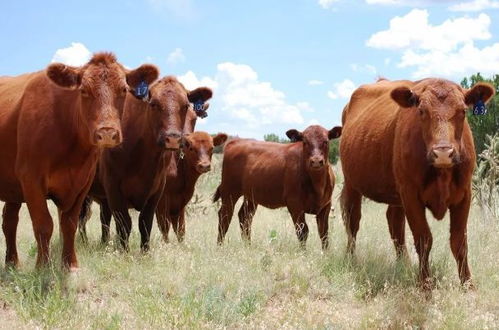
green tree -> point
(483, 125)
(334, 151)
(274, 138)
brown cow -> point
(408, 144)
(133, 175)
(181, 177)
(53, 125)
(296, 175)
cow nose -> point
(172, 140)
(107, 137)
(204, 167)
(442, 156)
(316, 162)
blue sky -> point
(273, 65)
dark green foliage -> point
(275, 138)
(487, 124)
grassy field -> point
(268, 284)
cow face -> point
(170, 104)
(315, 144)
(441, 109)
(199, 149)
(102, 85)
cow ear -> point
(219, 139)
(294, 135)
(64, 75)
(144, 74)
(479, 92)
(201, 94)
(405, 97)
(334, 133)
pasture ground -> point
(268, 284)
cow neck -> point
(186, 172)
(76, 125)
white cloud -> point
(445, 50)
(326, 4)
(314, 82)
(412, 3)
(342, 90)
(176, 56)
(190, 81)
(179, 8)
(243, 96)
(76, 55)
(476, 5)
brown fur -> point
(181, 177)
(133, 174)
(278, 175)
(51, 124)
(390, 132)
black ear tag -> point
(199, 109)
(142, 90)
(479, 108)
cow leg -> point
(146, 218)
(301, 227)
(323, 226)
(105, 221)
(351, 212)
(85, 215)
(162, 217)
(123, 226)
(41, 219)
(458, 237)
(68, 225)
(224, 217)
(423, 240)
(396, 224)
(181, 226)
(9, 226)
(246, 214)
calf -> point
(182, 174)
(408, 144)
(133, 175)
(53, 125)
(296, 175)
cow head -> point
(315, 141)
(199, 149)
(102, 85)
(441, 109)
(169, 104)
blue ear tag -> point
(479, 108)
(142, 90)
(199, 109)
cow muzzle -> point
(203, 167)
(172, 140)
(316, 162)
(107, 137)
(442, 156)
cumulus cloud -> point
(342, 90)
(76, 54)
(176, 56)
(326, 4)
(245, 97)
(476, 5)
(447, 49)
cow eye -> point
(124, 90)
(84, 92)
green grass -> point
(268, 284)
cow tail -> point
(216, 195)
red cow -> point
(296, 175)
(408, 144)
(133, 175)
(53, 125)
(181, 177)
